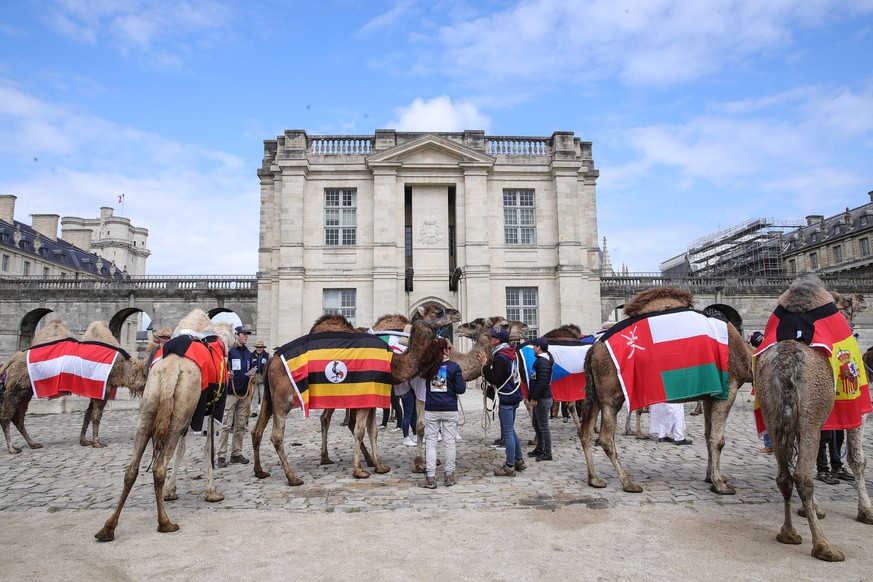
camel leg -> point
(360, 426)
(258, 435)
(586, 435)
(7, 432)
(697, 409)
(94, 414)
(18, 421)
(571, 407)
(326, 415)
(86, 422)
(803, 472)
(212, 494)
(418, 462)
(373, 432)
(368, 458)
(159, 476)
(858, 463)
(170, 485)
(608, 421)
(787, 535)
(715, 413)
(280, 413)
(107, 532)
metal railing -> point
(133, 284)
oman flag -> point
(70, 366)
(669, 356)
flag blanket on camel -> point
(568, 369)
(669, 356)
(68, 366)
(824, 328)
(339, 370)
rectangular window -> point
(813, 261)
(340, 217)
(792, 267)
(26, 268)
(838, 254)
(45, 272)
(340, 302)
(864, 220)
(865, 247)
(519, 217)
(5, 263)
(521, 305)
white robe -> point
(667, 417)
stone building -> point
(366, 225)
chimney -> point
(814, 218)
(46, 224)
(870, 194)
(7, 207)
(78, 237)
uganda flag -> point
(568, 369)
(339, 370)
(825, 328)
(669, 356)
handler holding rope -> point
(502, 373)
(239, 394)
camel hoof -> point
(827, 553)
(105, 535)
(213, 497)
(14, 451)
(865, 517)
(643, 437)
(725, 489)
(36, 446)
(168, 527)
(597, 483)
(326, 461)
(383, 469)
(295, 482)
(819, 513)
(360, 474)
(417, 469)
(632, 488)
(792, 538)
(98, 445)
(170, 496)
(85, 442)
(261, 474)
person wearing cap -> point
(239, 394)
(160, 338)
(259, 360)
(502, 373)
(540, 398)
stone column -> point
(388, 241)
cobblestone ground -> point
(66, 476)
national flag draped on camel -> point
(568, 369)
(68, 366)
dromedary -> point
(403, 367)
(604, 394)
(19, 390)
(168, 404)
(795, 387)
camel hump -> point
(658, 299)
(805, 293)
(196, 320)
(98, 331)
(331, 322)
(394, 321)
(54, 329)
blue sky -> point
(702, 114)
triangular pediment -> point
(430, 151)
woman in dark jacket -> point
(540, 397)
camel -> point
(794, 384)
(403, 367)
(604, 394)
(169, 401)
(19, 391)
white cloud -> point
(438, 114)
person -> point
(238, 396)
(157, 344)
(755, 339)
(259, 361)
(407, 416)
(502, 374)
(540, 398)
(668, 417)
(441, 413)
(830, 444)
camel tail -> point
(168, 379)
(591, 398)
(786, 396)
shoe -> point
(504, 471)
(765, 450)
(410, 442)
(520, 465)
(545, 457)
(450, 479)
(428, 483)
(239, 459)
(395, 428)
(383, 426)
(221, 463)
(843, 474)
(827, 478)
(458, 438)
(497, 442)
(254, 415)
(566, 419)
(665, 440)
(535, 453)
(683, 442)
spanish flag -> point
(339, 370)
(825, 328)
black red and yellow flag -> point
(339, 370)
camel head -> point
(658, 299)
(480, 325)
(517, 330)
(224, 331)
(849, 304)
(438, 317)
(805, 293)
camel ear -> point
(422, 311)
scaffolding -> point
(751, 248)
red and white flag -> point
(69, 366)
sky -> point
(702, 114)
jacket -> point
(499, 373)
(239, 363)
(541, 379)
(444, 387)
